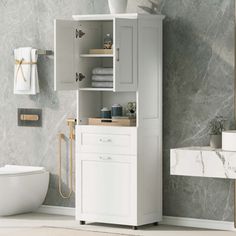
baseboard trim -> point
(198, 223)
(56, 210)
(167, 220)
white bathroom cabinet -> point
(118, 169)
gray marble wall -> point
(25, 23)
(198, 84)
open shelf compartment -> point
(96, 100)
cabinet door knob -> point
(117, 54)
(79, 77)
(79, 33)
(105, 158)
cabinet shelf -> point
(96, 89)
(96, 55)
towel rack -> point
(44, 52)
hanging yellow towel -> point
(26, 75)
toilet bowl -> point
(23, 189)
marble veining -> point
(203, 162)
(30, 23)
(198, 85)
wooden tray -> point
(112, 122)
(100, 51)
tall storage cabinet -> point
(118, 169)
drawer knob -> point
(105, 140)
(105, 158)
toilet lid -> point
(20, 170)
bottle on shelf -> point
(108, 42)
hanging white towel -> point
(34, 72)
(26, 75)
(22, 70)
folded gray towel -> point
(102, 78)
(102, 84)
(102, 71)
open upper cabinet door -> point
(66, 55)
(125, 62)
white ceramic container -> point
(117, 6)
(229, 140)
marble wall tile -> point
(30, 23)
(198, 84)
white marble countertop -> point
(203, 148)
(203, 162)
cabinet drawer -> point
(114, 140)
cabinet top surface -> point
(114, 16)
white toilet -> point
(23, 189)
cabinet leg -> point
(82, 222)
(155, 223)
(134, 227)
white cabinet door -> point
(65, 55)
(106, 188)
(125, 63)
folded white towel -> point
(26, 74)
(22, 71)
(34, 72)
(103, 78)
(102, 71)
(102, 84)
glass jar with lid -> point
(108, 42)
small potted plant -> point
(216, 126)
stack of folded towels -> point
(102, 77)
